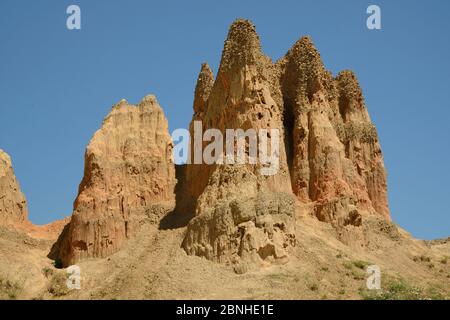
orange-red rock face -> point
(330, 156)
(128, 171)
(336, 155)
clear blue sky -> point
(56, 85)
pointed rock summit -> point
(330, 158)
(241, 215)
(203, 88)
(129, 177)
(13, 205)
(330, 164)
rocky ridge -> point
(13, 205)
(330, 157)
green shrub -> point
(58, 286)
(399, 289)
(361, 264)
(47, 271)
(9, 289)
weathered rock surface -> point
(231, 222)
(13, 205)
(330, 156)
(129, 176)
(237, 218)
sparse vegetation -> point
(399, 289)
(58, 286)
(348, 265)
(422, 258)
(360, 264)
(358, 275)
(47, 271)
(313, 287)
(9, 289)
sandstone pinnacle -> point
(330, 157)
(129, 174)
(13, 205)
(242, 46)
(203, 88)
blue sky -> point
(56, 85)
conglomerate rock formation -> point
(336, 156)
(129, 176)
(329, 162)
(240, 213)
(330, 157)
(13, 205)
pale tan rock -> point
(227, 226)
(129, 173)
(14, 208)
(203, 88)
(13, 205)
(238, 220)
(361, 141)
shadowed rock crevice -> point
(184, 209)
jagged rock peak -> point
(242, 46)
(149, 100)
(203, 88)
(305, 55)
(348, 81)
(5, 161)
(242, 216)
(129, 177)
(121, 103)
(303, 73)
(13, 205)
(350, 93)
